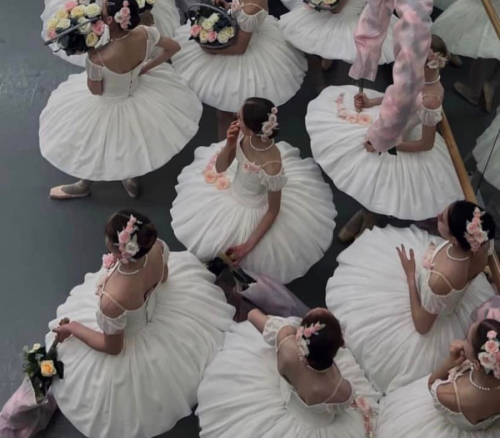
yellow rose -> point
(92, 10)
(329, 2)
(214, 18)
(91, 39)
(229, 31)
(63, 24)
(78, 12)
(141, 4)
(203, 36)
(61, 15)
(52, 23)
(47, 368)
(150, 2)
(86, 28)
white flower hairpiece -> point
(436, 60)
(490, 357)
(303, 338)
(270, 124)
(475, 234)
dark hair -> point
(146, 233)
(114, 6)
(480, 337)
(255, 112)
(324, 346)
(439, 46)
(462, 212)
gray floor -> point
(49, 246)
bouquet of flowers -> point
(322, 5)
(30, 408)
(212, 26)
(76, 27)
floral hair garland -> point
(351, 117)
(436, 60)
(122, 17)
(490, 357)
(211, 176)
(270, 124)
(303, 338)
(127, 245)
(475, 234)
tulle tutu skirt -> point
(207, 220)
(152, 384)
(269, 68)
(409, 412)
(242, 394)
(328, 35)
(102, 138)
(487, 153)
(413, 186)
(369, 294)
(467, 30)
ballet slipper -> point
(456, 60)
(350, 230)
(369, 221)
(59, 194)
(489, 93)
(326, 64)
(466, 93)
(132, 187)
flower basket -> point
(212, 26)
(322, 5)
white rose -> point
(61, 14)
(93, 10)
(229, 31)
(223, 37)
(132, 248)
(141, 4)
(329, 2)
(214, 18)
(63, 24)
(316, 2)
(78, 12)
(36, 347)
(150, 2)
(86, 28)
(52, 24)
(84, 2)
(91, 39)
(207, 25)
(203, 36)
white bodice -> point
(318, 415)
(433, 303)
(249, 23)
(122, 85)
(458, 419)
(421, 117)
(251, 182)
(130, 322)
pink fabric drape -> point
(412, 39)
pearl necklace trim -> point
(134, 272)
(455, 259)
(433, 82)
(482, 388)
(261, 150)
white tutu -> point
(409, 412)
(413, 186)
(487, 152)
(242, 395)
(269, 68)
(467, 30)
(328, 35)
(207, 220)
(369, 294)
(152, 384)
(292, 4)
(166, 16)
(116, 136)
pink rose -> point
(491, 347)
(123, 236)
(246, 166)
(343, 114)
(222, 183)
(195, 30)
(363, 406)
(472, 228)
(108, 261)
(352, 118)
(212, 36)
(364, 119)
(492, 334)
(51, 34)
(487, 360)
(210, 176)
(70, 5)
(99, 27)
(308, 332)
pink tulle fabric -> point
(22, 416)
(412, 39)
(488, 310)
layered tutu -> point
(369, 294)
(114, 137)
(409, 412)
(328, 35)
(413, 186)
(207, 220)
(242, 395)
(269, 68)
(152, 384)
(487, 152)
(467, 30)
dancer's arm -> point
(258, 319)
(426, 143)
(228, 153)
(455, 359)
(170, 48)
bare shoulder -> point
(455, 274)
(273, 163)
(95, 57)
(285, 332)
(253, 7)
(432, 102)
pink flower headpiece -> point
(127, 245)
(270, 124)
(122, 17)
(303, 338)
(436, 60)
(475, 234)
(490, 357)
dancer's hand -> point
(368, 146)
(408, 263)
(232, 134)
(457, 352)
(238, 253)
(63, 332)
(221, 3)
(361, 101)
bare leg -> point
(132, 187)
(79, 189)
(326, 64)
(316, 72)
(225, 119)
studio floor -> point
(48, 246)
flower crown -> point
(475, 234)
(270, 124)
(303, 338)
(436, 60)
(127, 244)
(490, 357)
(122, 17)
